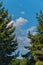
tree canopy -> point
(36, 48)
(7, 36)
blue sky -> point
(24, 17)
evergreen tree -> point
(7, 36)
(23, 62)
(15, 62)
(36, 48)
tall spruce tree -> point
(36, 48)
(7, 42)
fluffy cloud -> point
(20, 21)
(23, 41)
(19, 32)
(31, 28)
(34, 33)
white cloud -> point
(20, 21)
(19, 32)
(22, 12)
(23, 41)
(34, 33)
(26, 41)
(31, 29)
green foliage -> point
(6, 36)
(20, 62)
(39, 63)
(15, 62)
(40, 22)
(23, 62)
(37, 40)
